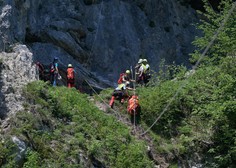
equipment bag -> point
(52, 67)
(133, 104)
(70, 73)
(120, 80)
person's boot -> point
(112, 101)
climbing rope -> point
(194, 67)
(183, 84)
(92, 88)
(134, 93)
(117, 113)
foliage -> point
(167, 72)
(220, 108)
(32, 160)
(202, 115)
(61, 127)
(225, 43)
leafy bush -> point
(202, 115)
(210, 23)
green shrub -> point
(62, 123)
(203, 112)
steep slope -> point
(59, 127)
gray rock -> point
(16, 71)
(21, 149)
(105, 37)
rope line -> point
(116, 112)
(99, 20)
(132, 77)
(194, 67)
(184, 82)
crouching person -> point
(120, 93)
(134, 109)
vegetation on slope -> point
(202, 116)
(63, 129)
(200, 122)
(199, 125)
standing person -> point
(144, 72)
(40, 71)
(70, 76)
(54, 71)
(120, 93)
(138, 65)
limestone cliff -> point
(16, 71)
(104, 37)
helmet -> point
(135, 97)
(144, 60)
(70, 65)
(127, 83)
(55, 58)
(127, 71)
(140, 61)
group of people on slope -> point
(142, 76)
(52, 73)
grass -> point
(61, 126)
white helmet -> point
(140, 61)
(70, 66)
(144, 60)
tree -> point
(211, 21)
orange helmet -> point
(134, 97)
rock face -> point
(16, 71)
(100, 36)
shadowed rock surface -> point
(103, 36)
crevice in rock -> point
(3, 108)
(31, 37)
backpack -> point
(52, 67)
(120, 80)
(40, 67)
(70, 73)
(133, 104)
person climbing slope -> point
(70, 76)
(120, 93)
(134, 109)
